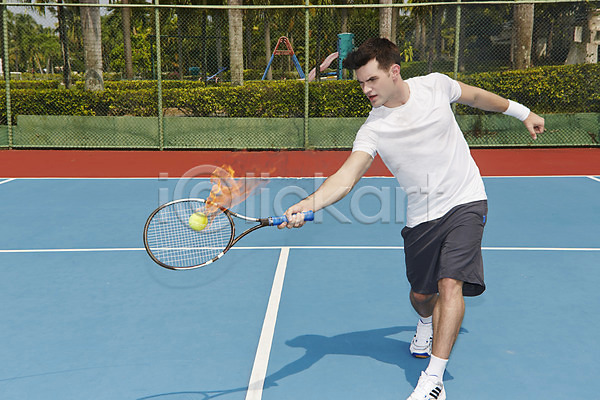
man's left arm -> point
(482, 99)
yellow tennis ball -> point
(198, 221)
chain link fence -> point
(237, 76)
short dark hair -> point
(384, 51)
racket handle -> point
(308, 216)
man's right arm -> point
(484, 100)
(333, 189)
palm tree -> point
(267, 21)
(64, 45)
(344, 17)
(92, 43)
(385, 21)
(46, 48)
(236, 43)
(181, 14)
(60, 11)
(2, 55)
(22, 40)
(422, 17)
(126, 23)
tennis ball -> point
(198, 221)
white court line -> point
(263, 352)
(7, 180)
(594, 178)
(70, 250)
(542, 248)
(497, 248)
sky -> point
(48, 20)
(40, 19)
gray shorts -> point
(447, 247)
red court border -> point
(152, 164)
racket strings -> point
(173, 242)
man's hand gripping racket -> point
(295, 216)
(173, 244)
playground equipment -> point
(216, 76)
(324, 65)
(287, 52)
(345, 46)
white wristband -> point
(519, 111)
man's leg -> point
(420, 345)
(448, 311)
(448, 314)
(423, 303)
(447, 318)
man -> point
(413, 129)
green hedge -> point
(35, 84)
(557, 89)
(145, 84)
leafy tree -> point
(92, 40)
(31, 46)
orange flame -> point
(227, 190)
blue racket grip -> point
(308, 216)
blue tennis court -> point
(320, 312)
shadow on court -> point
(376, 344)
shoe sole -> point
(418, 354)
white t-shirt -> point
(422, 145)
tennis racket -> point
(173, 244)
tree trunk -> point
(2, 8)
(126, 21)
(267, 19)
(344, 27)
(38, 64)
(64, 44)
(523, 23)
(583, 49)
(204, 63)
(92, 45)
(219, 30)
(180, 57)
(421, 36)
(236, 43)
(462, 40)
(393, 28)
(248, 39)
(385, 20)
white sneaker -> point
(421, 343)
(428, 388)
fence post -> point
(306, 71)
(161, 131)
(6, 66)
